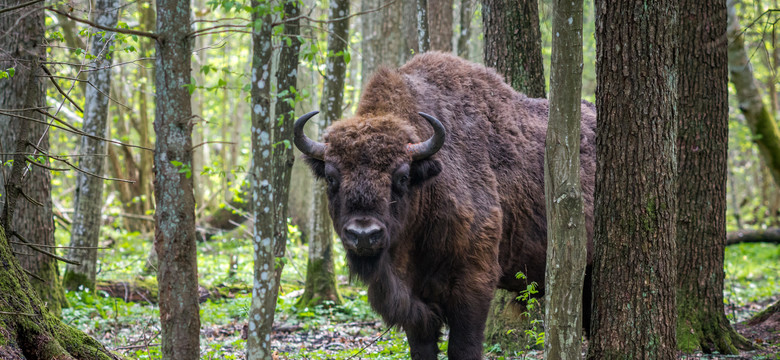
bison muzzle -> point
(436, 189)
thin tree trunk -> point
(423, 34)
(440, 25)
(320, 275)
(261, 311)
(513, 43)
(567, 239)
(702, 166)
(21, 48)
(465, 28)
(634, 267)
(85, 231)
(173, 188)
(759, 118)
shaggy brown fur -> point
(459, 223)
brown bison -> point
(436, 211)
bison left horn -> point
(427, 148)
(307, 146)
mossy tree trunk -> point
(28, 330)
(761, 121)
(702, 164)
(320, 274)
(85, 230)
(22, 48)
(634, 267)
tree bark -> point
(320, 274)
(761, 121)
(634, 267)
(85, 231)
(28, 330)
(702, 167)
(22, 48)
(513, 43)
(567, 239)
(465, 28)
(506, 18)
(423, 34)
(440, 25)
(381, 37)
(173, 188)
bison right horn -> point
(307, 146)
(426, 149)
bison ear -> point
(317, 166)
(423, 170)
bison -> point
(436, 189)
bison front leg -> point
(467, 327)
(423, 341)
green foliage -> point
(7, 73)
(752, 272)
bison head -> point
(373, 167)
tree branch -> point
(771, 235)
(51, 77)
(12, 8)
(36, 248)
(101, 27)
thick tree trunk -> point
(513, 43)
(381, 36)
(567, 239)
(173, 188)
(759, 118)
(409, 34)
(320, 274)
(702, 164)
(440, 25)
(21, 48)
(28, 330)
(634, 267)
(85, 230)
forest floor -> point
(350, 330)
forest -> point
(389, 179)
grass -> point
(323, 332)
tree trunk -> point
(465, 28)
(381, 36)
(702, 164)
(440, 25)
(28, 330)
(760, 120)
(409, 34)
(85, 231)
(634, 270)
(503, 326)
(320, 274)
(423, 32)
(174, 239)
(21, 49)
(567, 239)
(513, 43)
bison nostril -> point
(363, 236)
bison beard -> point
(431, 231)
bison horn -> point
(307, 146)
(423, 150)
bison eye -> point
(331, 180)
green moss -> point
(320, 285)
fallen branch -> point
(771, 235)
